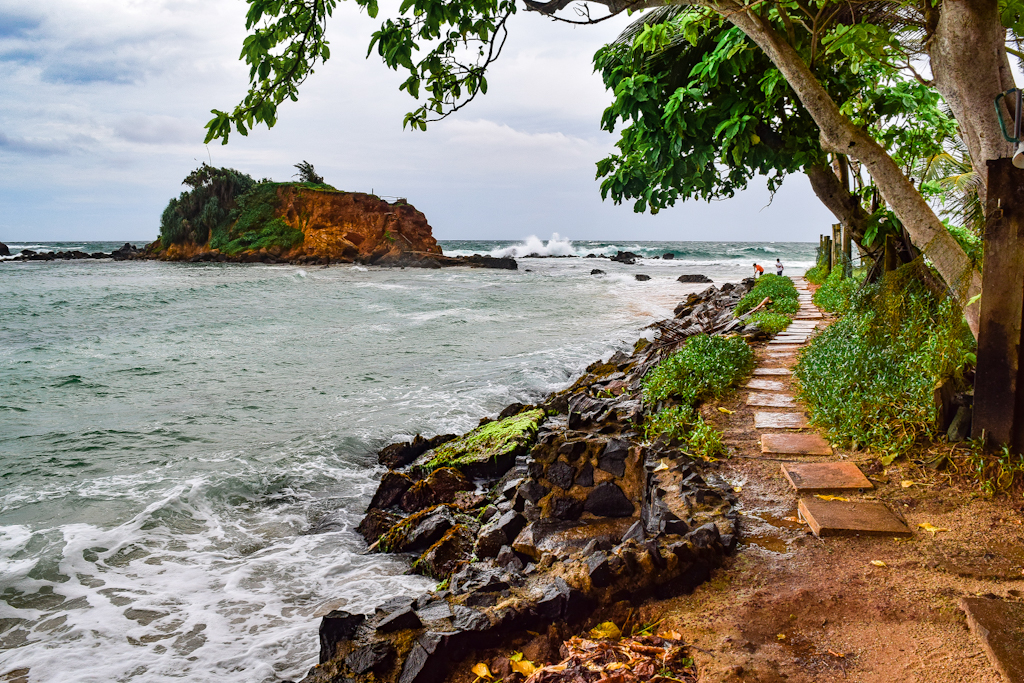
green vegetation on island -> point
(232, 212)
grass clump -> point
(869, 377)
(817, 274)
(994, 473)
(255, 226)
(836, 293)
(770, 321)
(487, 442)
(704, 368)
(778, 288)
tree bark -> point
(970, 67)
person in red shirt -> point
(758, 270)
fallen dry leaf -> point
(878, 563)
(662, 465)
(480, 670)
(927, 526)
(828, 497)
(726, 411)
(737, 489)
(606, 630)
(671, 635)
(781, 636)
(906, 483)
(523, 666)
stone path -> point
(785, 431)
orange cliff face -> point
(353, 226)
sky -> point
(104, 103)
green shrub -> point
(255, 226)
(274, 233)
(817, 274)
(705, 367)
(770, 321)
(705, 441)
(786, 306)
(870, 376)
(969, 241)
(776, 287)
(836, 293)
(673, 422)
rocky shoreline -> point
(130, 252)
(553, 514)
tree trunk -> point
(845, 206)
(838, 134)
(970, 67)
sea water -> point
(170, 433)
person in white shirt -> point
(778, 267)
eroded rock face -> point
(355, 226)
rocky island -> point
(228, 216)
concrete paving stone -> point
(789, 339)
(772, 371)
(766, 385)
(862, 517)
(785, 349)
(999, 625)
(770, 400)
(814, 477)
(795, 444)
(780, 421)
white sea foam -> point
(556, 246)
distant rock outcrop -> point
(4, 251)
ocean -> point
(170, 433)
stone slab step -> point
(788, 346)
(795, 444)
(814, 477)
(999, 625)
(766, 385)
(839, 518)
(770, 400)
(772, 371)
(780, 421)
(789, 339)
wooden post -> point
(828, 252)
(891, 256)
(837, 249)
(998, 382)
(848, 251)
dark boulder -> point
(401, 619)
(694, 278)
(499, 532)
(373, 657)
(627, 257)
(513, 409)
(467, 619)
(477, 577)
(597, 271)
(442, 558)
(668, 255)
(375, 524)
(613, 458)
(599, 570)
(561, 474)
(568, 509)
(608, 500)
(642, 278)
(705, 536)
(337, 627)
(585, 477)
(427, 660)
(4, 251)
(439, 487)
(124, 253)
(391, 489)
(504, 263)
(572, 450)
(401, 454)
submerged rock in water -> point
(668, 255)
(642, 278)
(627, 257)
(597, 271)
(4, 251)
(404, 452)
(694, 278)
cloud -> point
(15, 26)
(34, 147)
(157, 130)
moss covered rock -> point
(488, 450)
